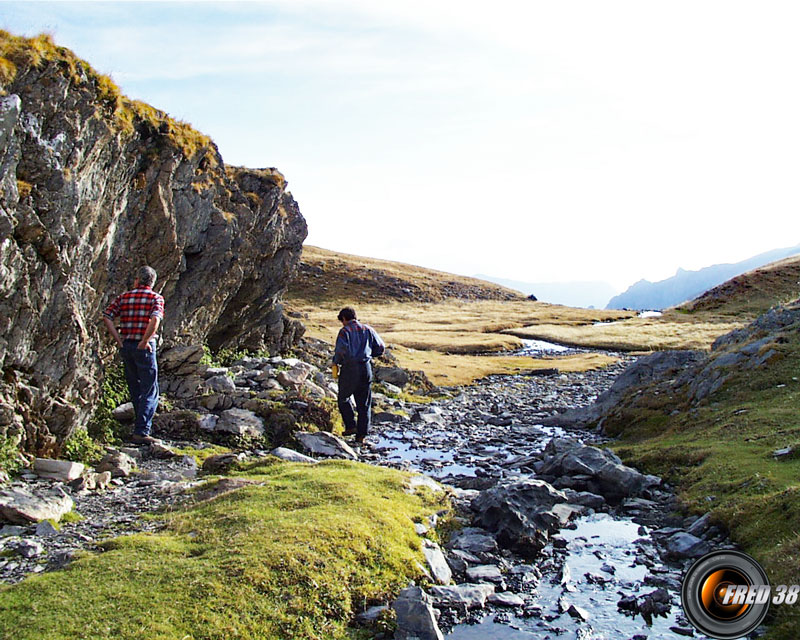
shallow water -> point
(542, 346)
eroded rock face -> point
(85, 199)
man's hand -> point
(144, 346)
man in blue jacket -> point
(356, 345)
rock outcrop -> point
(93, 185)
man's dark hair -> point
(348, 314)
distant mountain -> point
(573, 294)
(686, 285)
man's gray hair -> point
(147, 276)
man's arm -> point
(152, 327)
(342, 348)
(376, 344)
(112, 330)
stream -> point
(493, 431)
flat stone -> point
(437, 563)
(473, 596)
(417, 481)
(485, 573)
(506, 599)
(372, 614)
(240, 422)
(291, 455)
(61, 470)
(20, 506)
(325, 444)
(159, 450)
(473, 540)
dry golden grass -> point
(440, 327)
(451, 326)
(442, 339)
(634, 334)
(450, 369)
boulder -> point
(124, 412)
(240, 422)
(325, 444)
(61, 470)
(416, 618)
(291, 456)
(471, 596)
(295, 377)
(520, 513)
(220, 384)
(608, 476)
(393, 375)
(20, 506)
(180, 359)
(117, 463)
(437, 564)
(473, 540)
(207, 421)
(682, 545)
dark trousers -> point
(355, 379)
(141, 374)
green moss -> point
(102, 426)
(80, 447)
(292, 557)
(10, 461)
(201, 455)
(71, 516)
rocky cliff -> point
(93, 185)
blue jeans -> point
(141, 374)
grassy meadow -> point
(293, 555)
(457, 329)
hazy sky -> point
(537, 141)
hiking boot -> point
(137, 438)
(349, 432)
(360, 439)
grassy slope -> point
(291, 558)
(719, 453)
(750, 294)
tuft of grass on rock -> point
(295, 555)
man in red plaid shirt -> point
(140, 312)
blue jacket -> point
(357, 343)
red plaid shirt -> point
(134, 310)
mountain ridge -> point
(687, 284)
